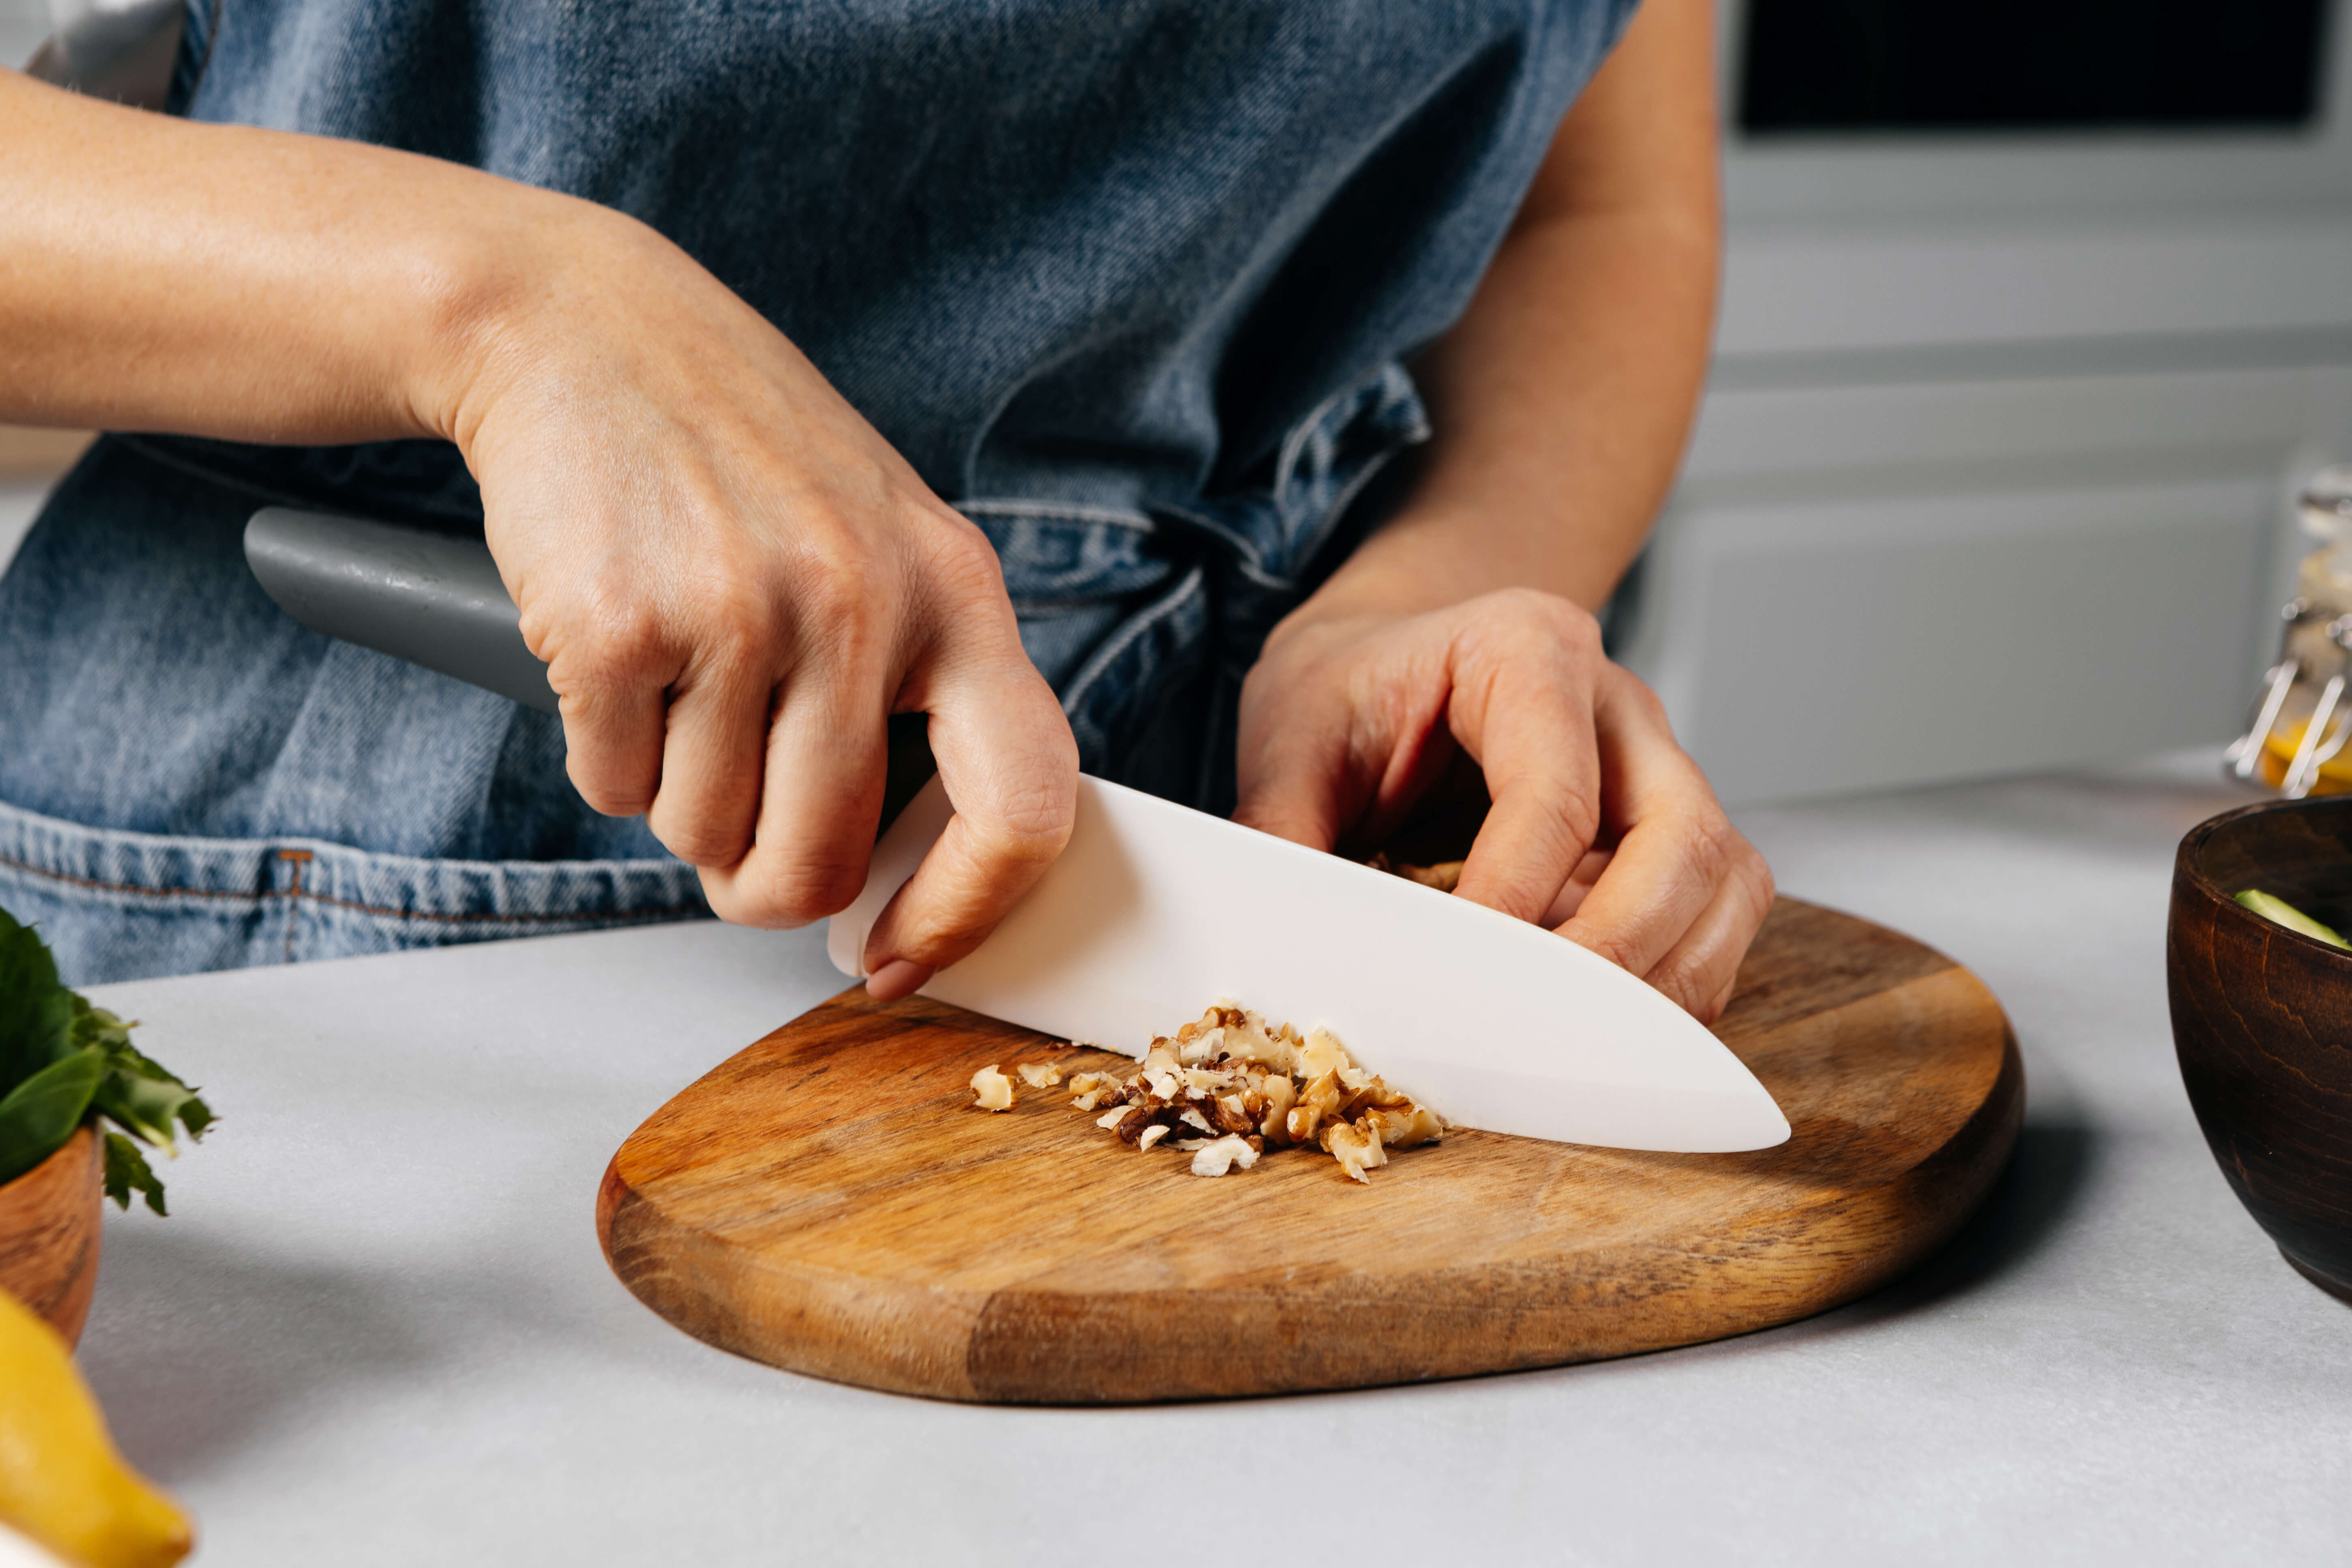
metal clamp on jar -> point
(2303, 715)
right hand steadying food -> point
(734, 579)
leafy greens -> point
(64, 1063)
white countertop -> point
(377, 1329)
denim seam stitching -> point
(299, 892)
(1317, 537)
(1294, 444)
(1246, 554)
(1193, 585)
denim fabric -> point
(192, 780)
(124, 906)
(1130, 281)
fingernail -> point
(898, 977)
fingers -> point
(1332, 753)
(1294, 779)
(1296, 795)
(706, 806)
(898, 977)
(1580, 885)
(820, 799)
(1007, 759)
(1011, 768)
(1701, 968)
(1523, 705)
(1682, 892)
(609, 674)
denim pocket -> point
(116, 906)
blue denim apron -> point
(1130, 282)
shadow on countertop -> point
(2037, 1191)
(195, 1351)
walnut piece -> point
(1039, 1074)
(994, 1089)
(1216, 1159)
(1225, 1088)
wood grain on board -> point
(825, 1201)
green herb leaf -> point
(95, 1025)
(145, 1104)
(63, 1062)
(139, 1094)
(40, 1113)
(35, 1012)
(127, 1172)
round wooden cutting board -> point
(826, 1201)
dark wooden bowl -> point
(2262, 1017)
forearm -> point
(1563, 399)
(244, 284)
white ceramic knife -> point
(1154, 911)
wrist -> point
(483, 298)
(1416, 563)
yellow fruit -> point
(61, 1482)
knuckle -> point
(966, 557)
(699, 844)
(1560, 621)
(613, 639)
(1581, 821)
(737, 624)
(1684, 982)
(610, 797)
(1614, 947)
(834, 600)
(1711, 847)
(805, 891)
(1623, 685)
(1652, 706)
(1030, 825)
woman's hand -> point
(1560, 404)
(735, 581)
(733, 577)
(1601, 828)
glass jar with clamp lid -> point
(2303, 716)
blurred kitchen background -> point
(2037, 314)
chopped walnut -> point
(1039, 1074)
(1216, 1159)
(1224, 1087)
(1281, 1093)
(1357, 1150)
(994, 1091)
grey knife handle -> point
(423, 597)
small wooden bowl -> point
(2262, 1017)
(49, 1234)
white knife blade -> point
(1154, 911)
